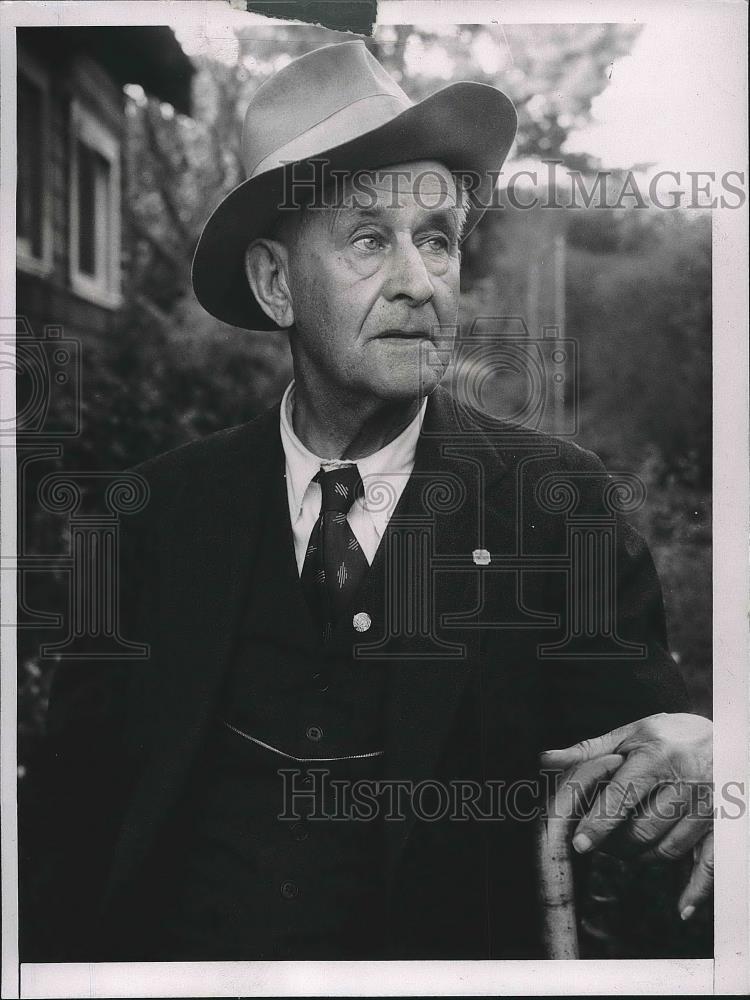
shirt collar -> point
(301, 464)
(394, 461)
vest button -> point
(361, 621)
(289, 890)
(320, 682)
(298, 831)
(314, 734)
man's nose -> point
(408, 277)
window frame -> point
(26, 260)
(92, 132)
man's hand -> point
(662, 793)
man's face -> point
(374, 284)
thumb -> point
(589, 749)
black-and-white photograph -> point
(366, 413)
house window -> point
(94, 209)
(33, 195)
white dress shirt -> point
(384, 474)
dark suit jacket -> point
(124, 735)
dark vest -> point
(266, 864)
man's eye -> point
(369, 242)
(437, 244)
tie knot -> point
(340, 488)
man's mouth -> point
(405, 335)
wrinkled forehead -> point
(403, 191)
(427, 184)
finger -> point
(700, 884)
(657, 815)
(694, 819)
(588, 749)
(681, 839)
(576, 786)
(648, 825)
(563, 809)
(629, 786)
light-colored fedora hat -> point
(338, 104)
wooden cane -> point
(554, 853)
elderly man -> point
(360, 598)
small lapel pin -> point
(361, 621)
(481, 557)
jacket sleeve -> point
(615, 589)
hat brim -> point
(466, 126)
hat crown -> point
(331, 94)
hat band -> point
(351, 122)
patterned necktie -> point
(334, 562)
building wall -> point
(45, 299)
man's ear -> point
(266, 269)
